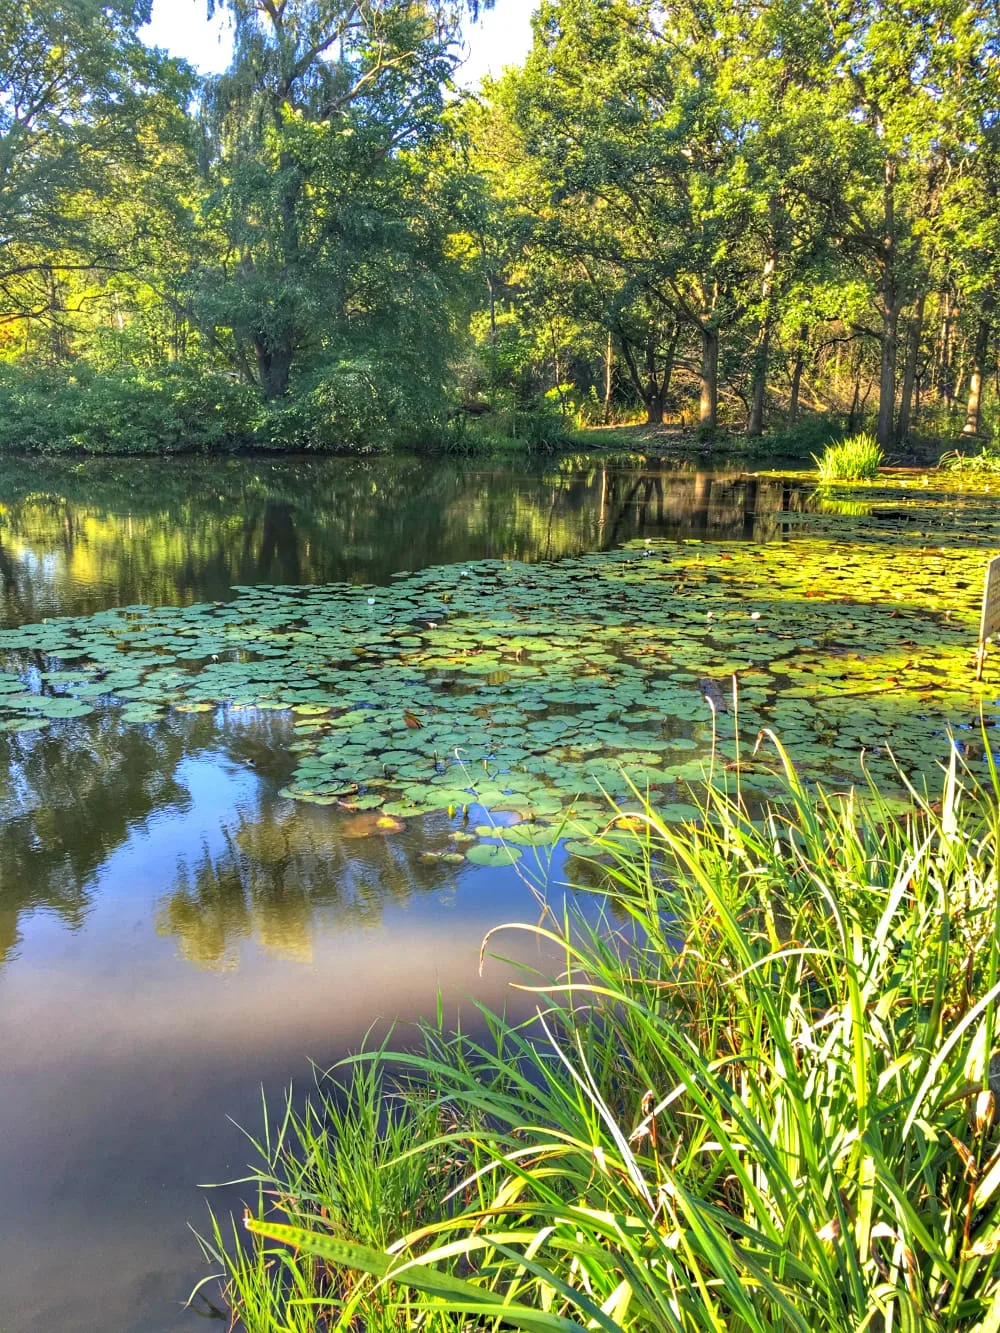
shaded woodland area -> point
(715, 213)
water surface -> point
(174, 935)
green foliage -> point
(86, 112)
(986, 461)
(349, 1147)
(858, 458)
(708, 214)
(759, 1097)
(178, 408)
(806, 437)
(358, 406)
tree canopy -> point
(701, 211)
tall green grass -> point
(986, 461)
(756, 1098)
(858, 458)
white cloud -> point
(501, 37)
(183, 29)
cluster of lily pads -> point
(534, 692)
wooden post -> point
(989, 621)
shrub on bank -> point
(759, 1098)
(182, 408)
(178, 408)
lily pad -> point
(492, 854)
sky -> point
(501, 37)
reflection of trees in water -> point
(652, 503)
(281, 868)
(76, 538)
(70, 798)
(162, 532)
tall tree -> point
(314, 131)
(77, 86)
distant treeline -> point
(703, 211)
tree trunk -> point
(959, 370)
(653, 389)
(758, 388)
(974, 410)
(852, 416)
(708, 412)
(944, 375)
(755, 422)
(609, 379)
(887, 374)
(910, 372)
(890, 312)
(797, 368)
(274, 366)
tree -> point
(78, 90)
(314, 133)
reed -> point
(986, 462)
(858, 458)
(757, 1097)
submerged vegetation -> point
(758, 1095)
(858, 458)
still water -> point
(175, 936)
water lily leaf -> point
(370, 801)
(492, 854)
(24, 724)
(531, 835)
(577, 847)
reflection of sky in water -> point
(122, 1061)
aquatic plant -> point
(986, 461)
(497, 687)
(858, 458)
(342, 1153)
(758, 1097)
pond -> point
(259, 720)
(175, 934)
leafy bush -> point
(178, 408)
(760, 1099)
(350, 405)
(809, 435)
(538, 430)
(858, 458)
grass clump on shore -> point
(757, 1098)
(858, 458)
(987, 461)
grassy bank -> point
(757, 1098)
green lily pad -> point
(491, 854)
